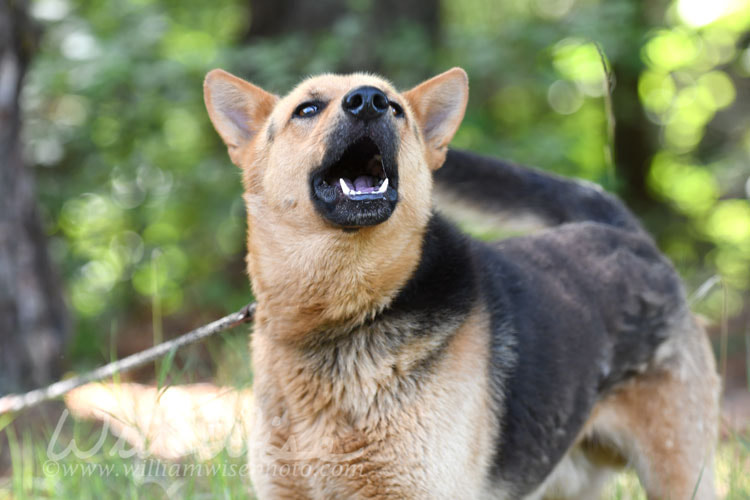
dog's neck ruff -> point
(307, 280)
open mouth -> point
(360, 173)
(359, 188)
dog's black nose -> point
(365, 103)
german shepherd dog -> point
(441, 366)
(395, 357)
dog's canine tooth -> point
(383, 186)
(345, 188)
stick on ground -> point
(18, 402)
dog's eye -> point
(396, 109)
(307, 109)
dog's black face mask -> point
(356, 184)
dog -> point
(395, 357)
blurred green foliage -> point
(141, 201)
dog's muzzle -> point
(357, 182)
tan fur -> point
(428, 440)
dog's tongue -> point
(365, 183)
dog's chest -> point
(376, 430)
(428, 452)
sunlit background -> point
(651, 99)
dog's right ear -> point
(439, 105)
(237, 108)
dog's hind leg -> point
(665, 420)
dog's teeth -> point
(345, 188)
(383, 186)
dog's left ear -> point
(238, 109)
(439, 105)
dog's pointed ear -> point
(238, 109)
(439, 105)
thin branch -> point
(18, 402)
(609, 85)
(703, 290)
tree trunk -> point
(33, 321)
(636, 137)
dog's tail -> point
(172, 422)
(512, 192)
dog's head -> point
(338, 180)
(349, 147)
